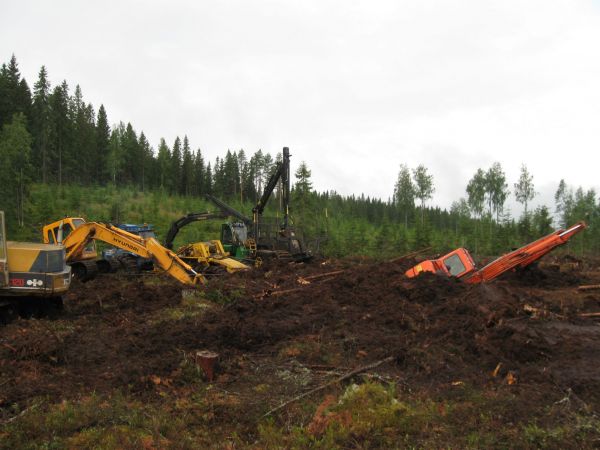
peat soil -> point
(297, 326)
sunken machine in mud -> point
(459, 263)
(31, 274)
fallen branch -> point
(540, 312)
(330, 383)
(593, 314)
(22, 413)
(588, 287)
(319, 275)
(9, 347)
(275, 293)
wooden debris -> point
(331, 383)
(269, 293)
(497, 370)
(588, 287)
(305, 280)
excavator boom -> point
(149, 248)
(459, 262)
(525, 255)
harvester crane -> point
(459, 262)
(228, 210)
(269, 241)
(282, 171)
(187, 219)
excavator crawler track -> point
(84, 270)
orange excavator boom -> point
(459, 262)
(525, 255)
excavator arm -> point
(149, 248)
(525, 255)
(459, 262)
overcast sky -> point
(353, 88)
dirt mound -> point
(117, 334)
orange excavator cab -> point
(457, 263)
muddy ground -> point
(284, 329)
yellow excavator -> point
(78, 238)
(31, 274)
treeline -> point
(54, 138)
(72, 143)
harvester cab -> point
(234, 237)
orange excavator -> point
(459, 263)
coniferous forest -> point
(62, 156)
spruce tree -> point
(60, 132)
(199, 174)
(15, 168)
(40, 121)
(164, 165)
(187, 169)
(145, 161)
(175, 173)
(101, 174)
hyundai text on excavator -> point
(31, 272)
(78, 238)
(459, 263)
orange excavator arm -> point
(150, 248)
(525, 255)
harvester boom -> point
(187, 219)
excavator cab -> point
(57, 232)
(458, 263)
